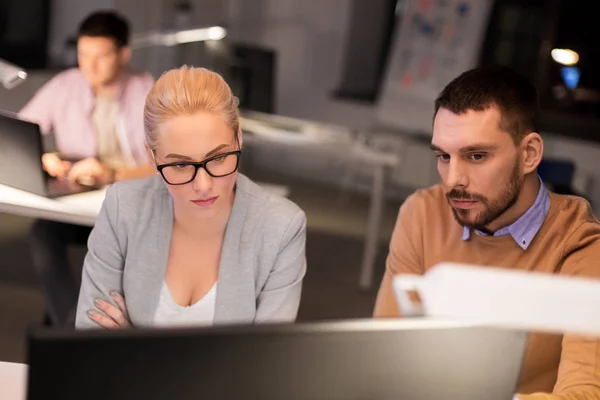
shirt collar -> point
(527, 226)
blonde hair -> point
(186, 91)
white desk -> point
(13, 381)
(336, 142)
(78, 209)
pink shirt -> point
(64, 106)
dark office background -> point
(24, 32)
(520, 34)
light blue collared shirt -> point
(527, 226)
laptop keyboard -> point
(64, 187)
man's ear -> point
(125, 53)
(532, 147)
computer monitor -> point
(376, 360)
(251, 73)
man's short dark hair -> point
(106, 24)
(485, 87)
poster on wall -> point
(435, 42)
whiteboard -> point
(435, 41)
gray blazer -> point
(262, 261)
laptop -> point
(21, 167)
(365, 359)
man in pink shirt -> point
(95, 112)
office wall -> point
(309, 37)
(159, 14)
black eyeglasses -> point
(182, 172)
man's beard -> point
(492, 209)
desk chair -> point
(558, 175)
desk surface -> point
(13, 381)
(314, 137)
(78, 209)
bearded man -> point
(492, 209)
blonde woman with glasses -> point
(198, 243)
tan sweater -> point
(567, 243)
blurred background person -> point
(95, 113)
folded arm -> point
(103, 264)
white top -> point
(170, 314)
